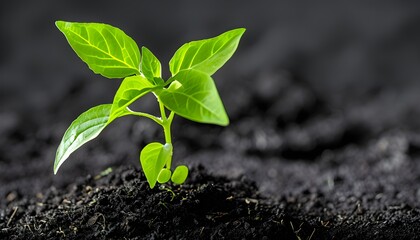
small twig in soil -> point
(312, 234)
(11, 217)
(163, 204)
(296, 231)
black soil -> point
(323, 143)
(121, 205)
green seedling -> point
(190, 92)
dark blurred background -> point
(347, 51)
(359, 59)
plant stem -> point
(142, 114)
(162, 111)
(168, 140)
(167, 131)
(166, 124)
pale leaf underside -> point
(85, 128)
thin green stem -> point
(171, 116)
(142, 114)
(167, 130)
(162, 110)
(166, 124)
(168, 140)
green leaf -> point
(150, 65)
(180, 174)
(106, 49)
(153, 158)
(193, 95)
(157, 81)
(206, 55)
(164, 175)
(85, 128)
(131, 89)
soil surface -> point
(120, 205)
(323, 143)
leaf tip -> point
(224, 122)
(151, 185)
(144, 51)
(60, 24)
(56, 167)
(223, 119)
(241, 30)
(237, 31)
(58, 161)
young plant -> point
(190, 92)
